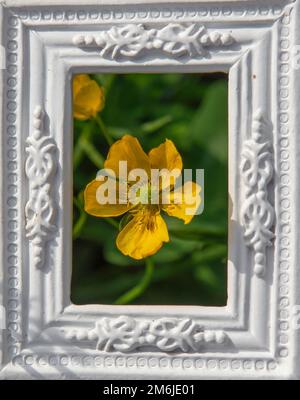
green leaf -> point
(92, 153)
(85, 134)
(117, 132)
(97, 230)
(174, 250)
(198, 234)
(211, 253)
(153, 126)
(115, 257)
(210, 123)
(207, 275)
(79, 224)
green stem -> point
(139, 289)
(78, 149)
(104, 130)
(112, 222)
(85, 145)
(81, 220)
(79, 225)
(93, 154)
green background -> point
(191, 110)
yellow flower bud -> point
(88, 97)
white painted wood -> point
(46, 336)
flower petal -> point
(88, 97)
(94, 207)
(165, 156)
(143, 236)
(127, 149)
(184, 202)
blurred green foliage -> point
(191, 110)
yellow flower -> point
(88, 97)
(146, 230)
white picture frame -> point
(43, 335)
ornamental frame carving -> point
(254, 335)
